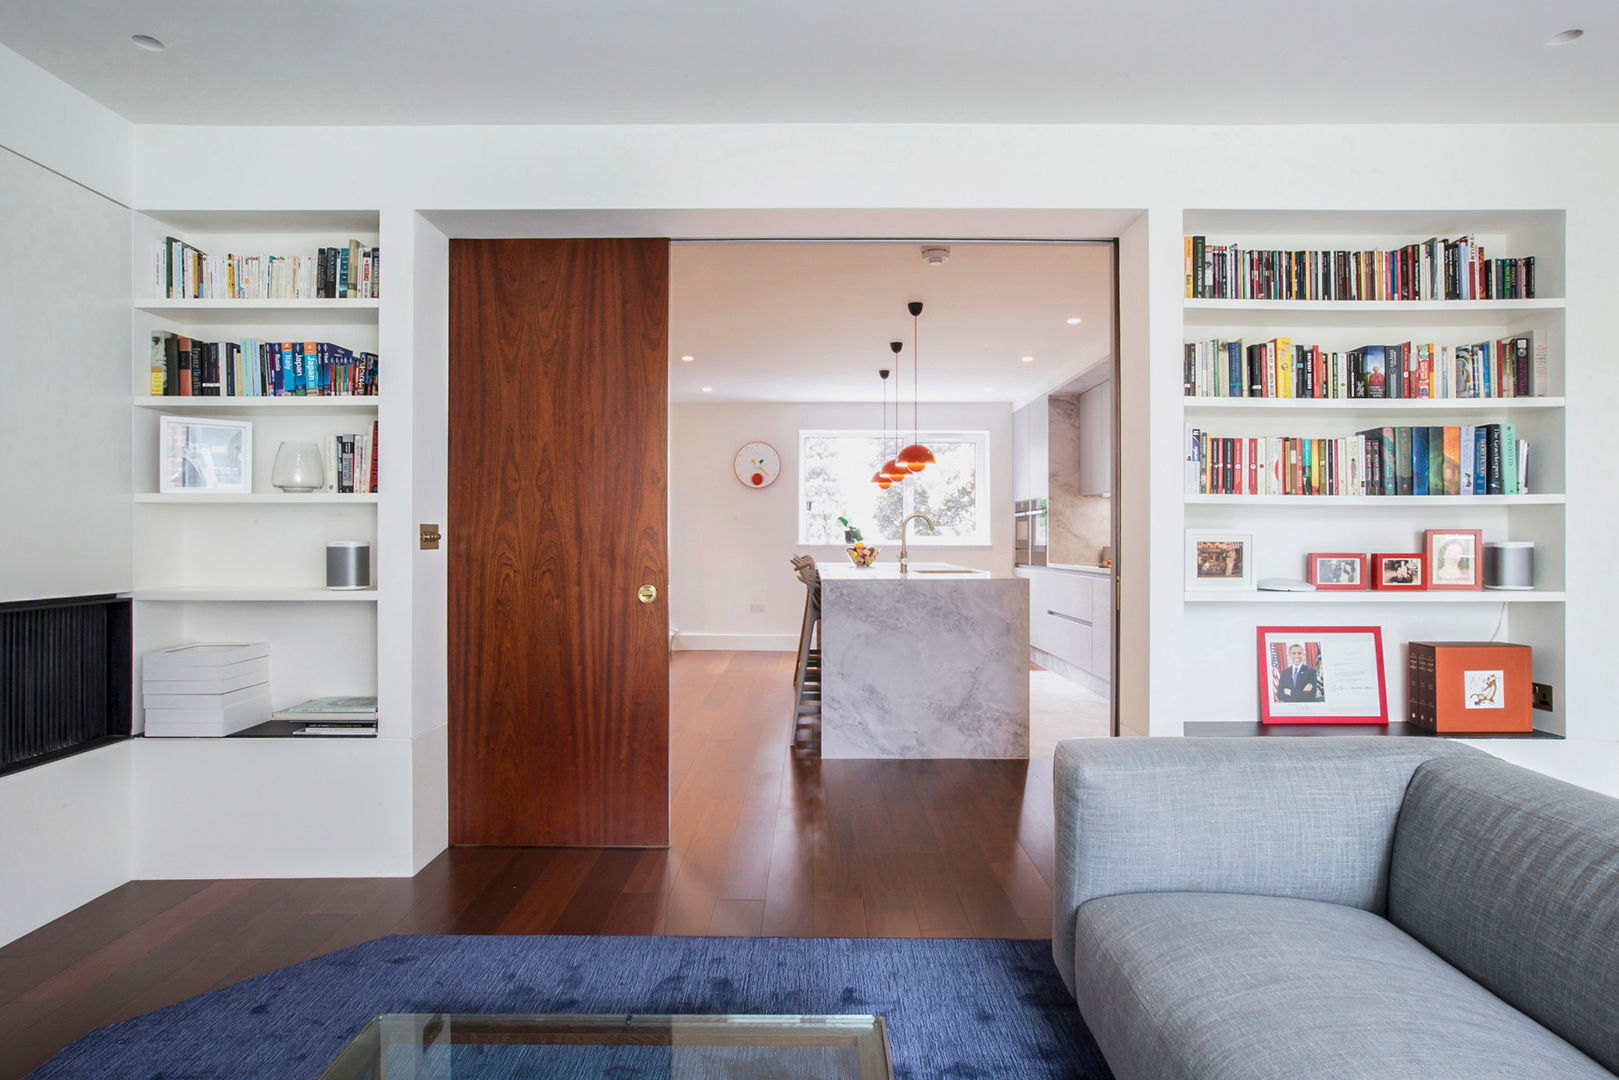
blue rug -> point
(956, 1008)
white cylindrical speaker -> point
(1509, 564)
(348, 564)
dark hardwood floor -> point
(766, 840)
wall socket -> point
(1542, 696)
(756, 609)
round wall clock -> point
(757, 465)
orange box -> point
(1469, 687)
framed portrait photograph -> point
(1455, 558)
(1219, 560)
(1400, 570)
(1344, 571)
(1322, 675)
(198, 456)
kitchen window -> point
(834, 480)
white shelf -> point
(204, 498)
(1284, 313)
(261, 406)
(1381, 501)
(1375, 596)
(283, 312)
(1236, 405)
(249, 594)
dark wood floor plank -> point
(766, 839)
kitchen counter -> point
(928, 665)
(1075, 568)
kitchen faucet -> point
(904, 553)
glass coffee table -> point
(463, 1046)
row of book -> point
(351, 462)
(332, 273)
(1434, 269)
(1486, 459)
(1281, 368)
(189, 367)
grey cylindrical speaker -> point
(1509, 565)
(348, 564)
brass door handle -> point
(646, 593)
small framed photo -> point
(1455, 558)
(1400, 570)
(1322, 675)
(1219, 560)
(197, 456)
(1344, 571)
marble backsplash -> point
(1078, 526)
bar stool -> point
(807, 677)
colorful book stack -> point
(188, 367)
(1487, 459)
(1434, 269)
(182, 272)
(206, 689)
(333, 716)
(351, 462)
(1282, 368)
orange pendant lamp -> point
(915, 457)
(881, 477)
(891, 468)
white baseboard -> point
(689, 642)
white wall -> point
(50, 123)
(729, 545)
(64, 836)
(64, 360)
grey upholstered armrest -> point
(1302, 817)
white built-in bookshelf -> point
(251, 566)
(1220, 625)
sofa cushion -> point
(1214, 986)
(1513, 877)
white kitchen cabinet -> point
(1039, 449)
(1096, 440)
(1021, 488)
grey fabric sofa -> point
(1335, 907)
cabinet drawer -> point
(1070, 594)
(1070, 640)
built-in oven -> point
(1029, 532)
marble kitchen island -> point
(934, 664)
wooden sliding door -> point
(559, 661)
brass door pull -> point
(647, 593)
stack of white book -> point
(206, 689)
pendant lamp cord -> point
(916, 383)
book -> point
(339, 727)
(1469, 687)
(331, 708)
(1433, 269)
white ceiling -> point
(731, 61)
(812, 321)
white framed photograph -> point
(204, 456)
(1219, 560)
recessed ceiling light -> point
(147, 42)
(1075, 321)
(688, 359)
(1566, 36)
(708, 389)
(1028, 359)
(989, 389)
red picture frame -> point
(1329, 579)
(1391, 570)
(1438, 548)
(1333, 682)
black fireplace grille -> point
(64, 677)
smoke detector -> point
(935, 256)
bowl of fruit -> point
(861, 554)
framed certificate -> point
(1322, 675)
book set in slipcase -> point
(1469, 687)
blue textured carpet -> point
(956, 1008)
